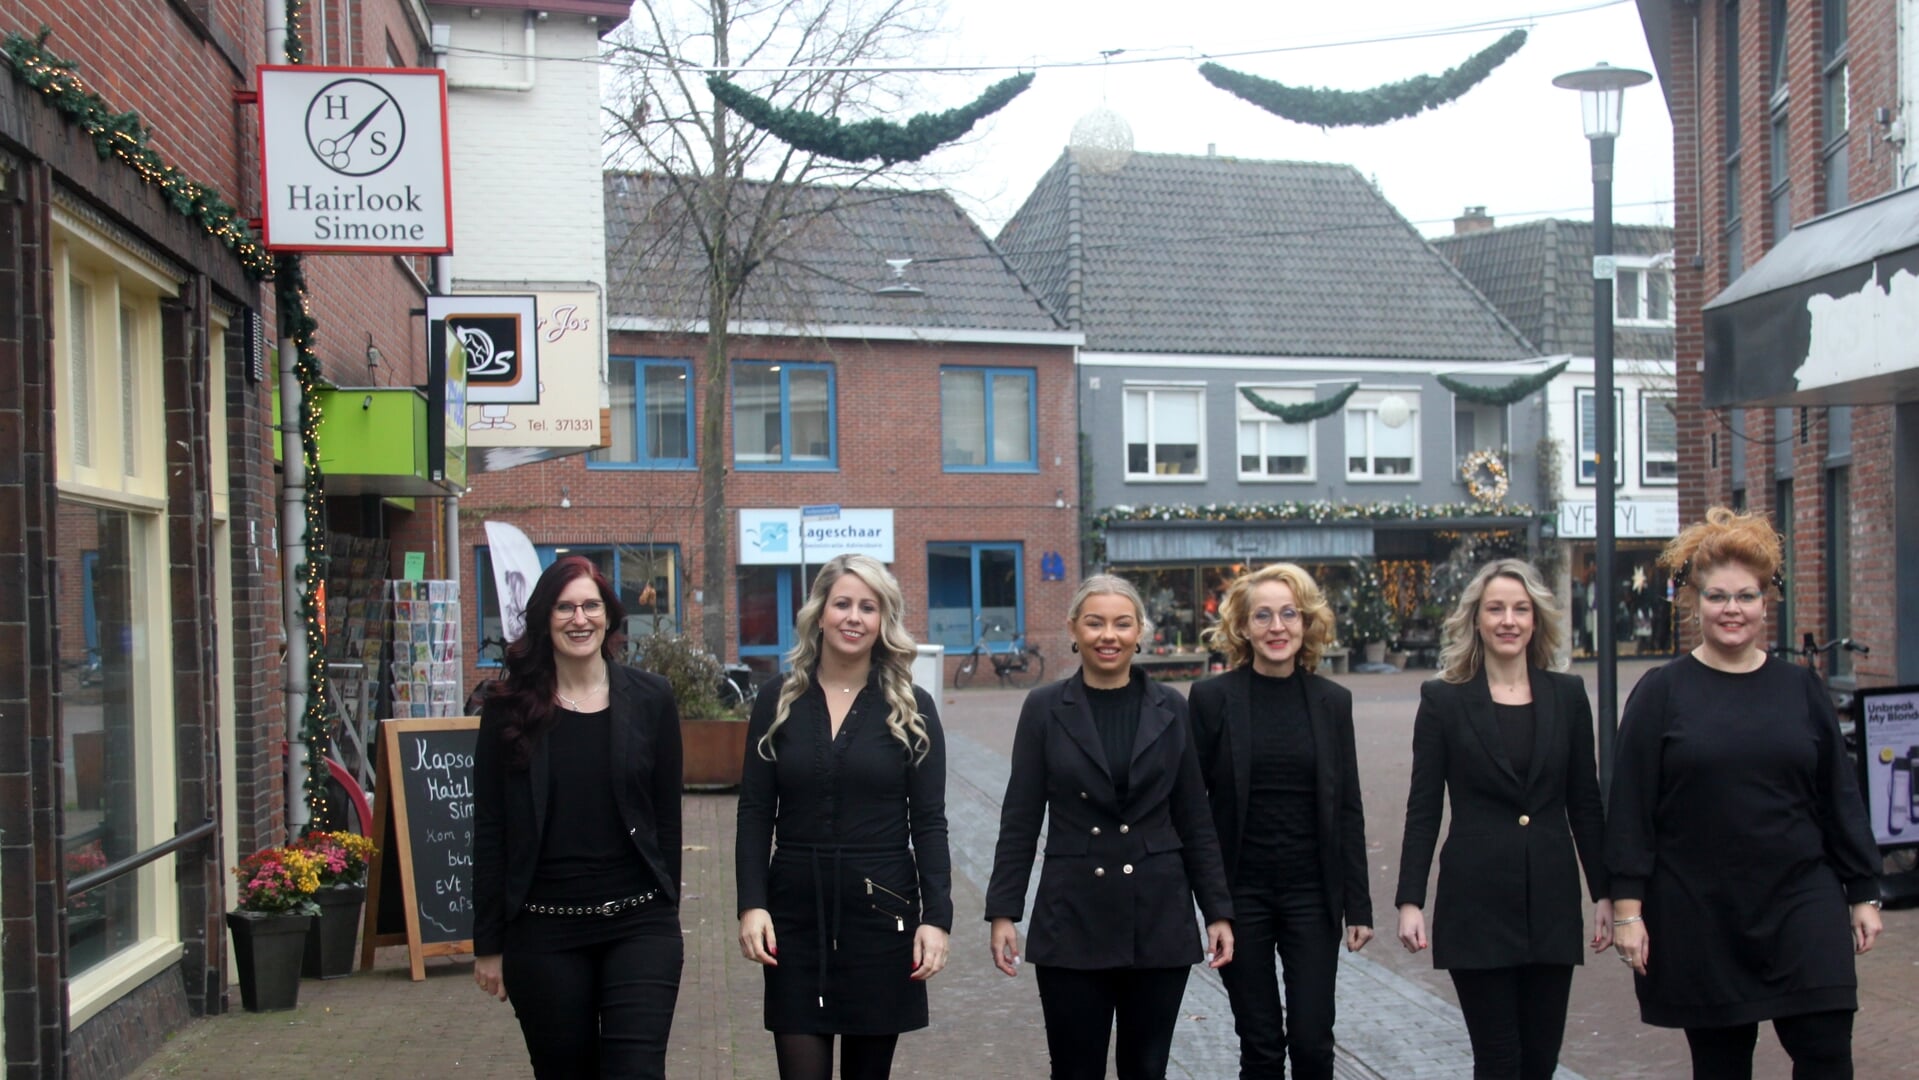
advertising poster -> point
(1889, 756)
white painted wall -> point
(527, 200)
(1631, 377)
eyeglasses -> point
(1264, 616)
(1719, 598)
(592, 609)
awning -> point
(1829, 317)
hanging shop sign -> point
(785, 537)
(502, 348)
(354, 160)
(1631, 520)
(567, 414)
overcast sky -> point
(1513, 144)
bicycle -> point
(1014, 662)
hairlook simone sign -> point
(354, 160)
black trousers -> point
(601, 1010)
(1516, 1018)
(1080, 1007)
(1819, 1044)
(1294, 924)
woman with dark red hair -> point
(576, 852)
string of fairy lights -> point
(124, 136)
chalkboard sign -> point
(421, 891)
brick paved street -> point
(1397, 1017)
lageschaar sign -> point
(354, 160)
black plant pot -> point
(330, 940)
(266, 949)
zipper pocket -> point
(874, 886)
(899, 923)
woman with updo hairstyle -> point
(1737, 839)
(1509, 741)
(844, 877)
(1276, 742)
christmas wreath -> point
(1485, 475)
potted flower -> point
(712, 736)
(269, 926)
(344, 858)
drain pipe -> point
(442, 36)
(293, 521)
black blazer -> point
(1223, 730)
(1508, 878)
(1120, 879)
(509, 804)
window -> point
(1779, 195)
(1735, 223)
(1271, 448)
(783, 416)
(1163, 432)
(114, 601)
(652, 414)
(1382, 435)
(1839, 564)
(973, 588)
(769, 604)
(1835, 104)
(1477, 427)
(1776, 47)
(987, 419)
(1658, 439)
(646, 577)
(1642, 291)
(1589, 436)
(1729, 75)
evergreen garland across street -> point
(868, 139)
(1305, 411)
(1504, 394)
(1325, 108)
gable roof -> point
(829, 256)
(1188, 254)
(1539, 274)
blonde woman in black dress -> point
(845, 883)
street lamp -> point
(1602, 99)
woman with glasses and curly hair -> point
(1276, 741)
(1511, 741)
(845, 882)
(1737, 840)
(576, 838)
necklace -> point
(574, 704)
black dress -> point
(1735, 817)
(845, 891)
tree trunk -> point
(716, 560)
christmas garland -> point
(1307, 511)
(1505, 394)
(1486, 478)
(868, 139)
(1304, 411)
(122, 135)
(1382, 104)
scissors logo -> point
(354, 127)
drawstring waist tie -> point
(829, 936)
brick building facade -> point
(1788, 123)
(141, 668)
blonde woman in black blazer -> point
(1276, 741)
(1104, 756)
(1512, 741)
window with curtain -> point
(1382, 447)
(987, 416)
(1658, 439)
(1162, 430)
(1588, 422)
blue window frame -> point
(651, 418)
(975, 591)
(645, 576)
(988, 419)
(769, 603)
(783, 415)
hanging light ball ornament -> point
(1394, 412)
(1102, 141)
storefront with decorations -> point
(1643, 612)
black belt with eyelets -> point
(610, 907)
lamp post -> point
(1602, 98)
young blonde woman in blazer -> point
(1276, 741)
(1512, 742)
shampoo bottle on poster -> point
(1912, 765)
(1899, 796)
